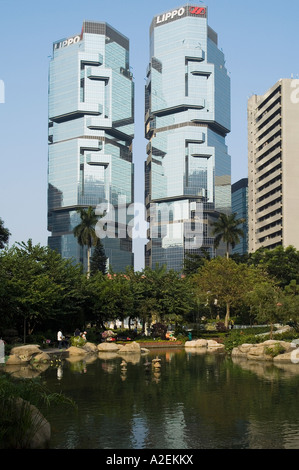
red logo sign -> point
(197, 11)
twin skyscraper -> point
(91, 132)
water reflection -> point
(188, 401)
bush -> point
(274, 350)
(238, 337)
(77, 341)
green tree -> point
(266, 301)
(280, 263)
(40, 287)
(226, 282)
(4, 234)
(109, 297)
(85, 231)
(98, 261)
(227, 229)
(193, 261)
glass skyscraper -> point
(240, 207)
(91, 129)
(187, 117)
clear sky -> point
(259, 39)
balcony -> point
(98, 160)
(95, 73)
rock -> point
(204, 344)
(14, 360)
(40, 430)
(262, 351)
(131, 348)
(144, 350)
(108, 347)
(196, 343)
(90, 348)
(214, 345)
(74, 351)
(41, 357)
(272, 342)
(285, 357)
(26, 352)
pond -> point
(195, 401)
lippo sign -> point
(180, 13)
(67, 42)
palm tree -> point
(227, 229)
(85, 231)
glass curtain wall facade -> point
(240, 207)
(91, 130)
(187, 117)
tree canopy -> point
(4, 235)
(227, 229)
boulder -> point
(285, 357)
(26, 352)
(41, 357)
(214, 345)
(131, 348)
(273, 342)
(196, 343)
(261, 351)
(74, 351)
(39, 432)
(90, 348)
(108, 347)
(13, 359)
(205, 344)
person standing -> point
(60, 339)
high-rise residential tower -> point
(187, 118)
(91, 129)
(273, 170)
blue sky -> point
(259, 39)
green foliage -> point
(280, 263)
(98, 259)
(37, 286)
(4, 234)
(85, 231)
(274, 350)
(224, 281)
(16, 396)
(238, 337)
(77, 341)
(42, 291)
(227, 230)
(194, 261)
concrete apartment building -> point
(273, 169)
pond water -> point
(196, 401)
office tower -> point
(273, 171)
(240, 207)
(91, 129)
(187, 117)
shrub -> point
(238, 337)
(274, 350)
(77, 341)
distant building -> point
(91, 129)
(240, 207)
(273, 170)
(187, 118)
